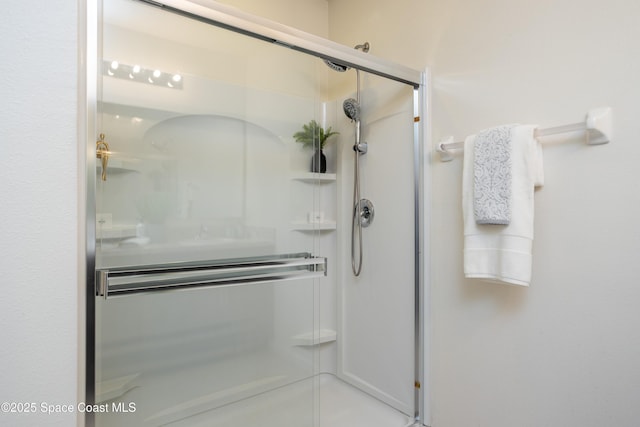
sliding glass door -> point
(210, 225)
(224, 196)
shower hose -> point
(356, 225)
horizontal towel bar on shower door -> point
(121, 281)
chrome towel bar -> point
(119, 281)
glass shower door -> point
(207, 256)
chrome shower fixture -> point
(363, 47)
(342, 68)
(351, 109)
(336, 67)
(363, 209)
(361, 147)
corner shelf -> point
(311, 226)
(116, 231)
(314, 177)
(111, 389)
(314, 338)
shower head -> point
(351, 109)
(342, 68)
(336, 67)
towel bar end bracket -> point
(445, 154)
(599, 126)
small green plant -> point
(313, 135)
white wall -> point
(564, 351)
(38, 219)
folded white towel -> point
(504, 254)
(492, 176)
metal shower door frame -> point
(234, 20)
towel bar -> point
(121, 281)
(597, 126)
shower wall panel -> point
(376, 309)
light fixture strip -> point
(138, 74)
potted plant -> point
(315, 136)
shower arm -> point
(363, 47)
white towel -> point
(504, 254)
(492, 176)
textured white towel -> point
(503, 253)
(492, 176)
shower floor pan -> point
(333, 404)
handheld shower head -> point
(351, 109)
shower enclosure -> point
(223, 292)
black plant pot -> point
(318, 162)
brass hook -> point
(102, 153)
